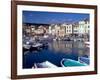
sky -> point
(40, 17)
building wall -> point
(68, 29)
(76, 28)
(87, 27)
(84, 27)
(81, 27)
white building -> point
(81, 27)
(57, 30)
(75, 28)
(68, 28)
(84, 27)
(87, 27)
(52, 29)
(32, 28)
(40, 30)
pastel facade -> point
(76, 28)
(84, 27)
(69, 29)
(59, 30)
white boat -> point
(45, 36)
(37, 45)
(87, 44)
(54, 39)
(26, 46)
(45, 64)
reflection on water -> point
(55, 53)
(69, 47)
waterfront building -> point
(87, 27)
(87, 31)
(57, 30)
(62, 31)
(52, 29)
(68, 28)
(81, 27)
(39, 30)
(84, 29)
(32, 28)
(76, 28)
(26, 29)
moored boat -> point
(71, 63)
(84, 60)
(26, 47)
(45, 64)
(87, 44)
(35, 46)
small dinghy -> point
(87, 44)
(26, 47)
(45, 64)
(84, 60)
(36, 47)
(71, 63)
